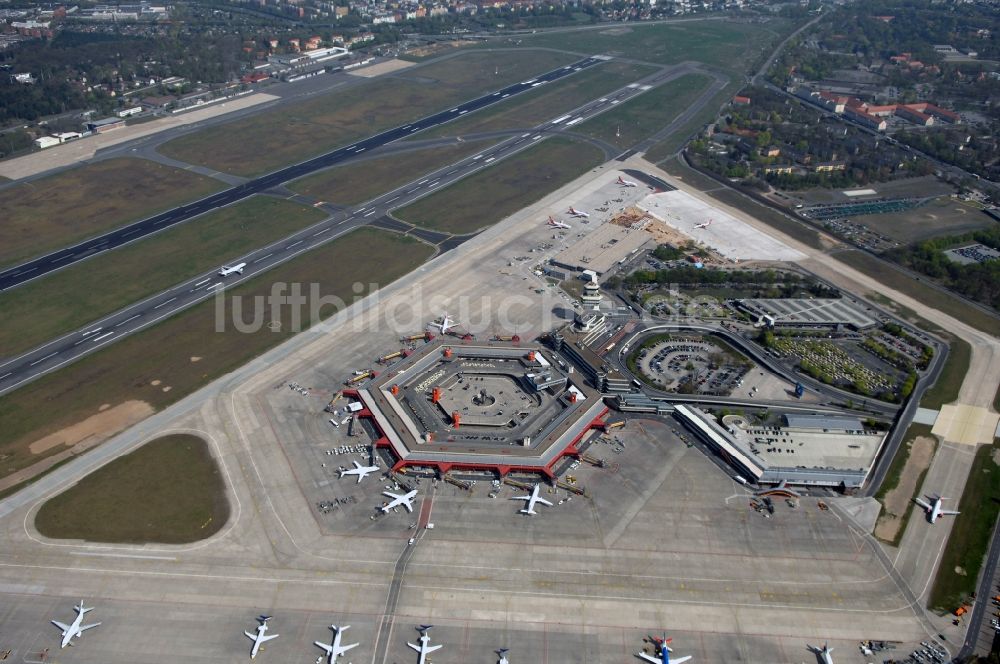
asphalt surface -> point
(15, 372)
(60, 259)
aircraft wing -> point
(923, 503)
(63, 626)
(543, 501)
(268, 637)
(430, 649)
(520, 498)
(325, 646)
(649, 658)
(251, 636)
(414, 646)
(951, 512)
(680, 659)
(408, 506)
(84, 628)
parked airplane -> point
(503, 656)
(361, 471)
(822, 654)
(446, 323)
(260, 636)
(76, 630)
(424, 648)
(227, 270)
(532, 500)
(664, 653)
(406, 500)
(578, 213)
(626, 183)
(704, 225)
(335, 650)
(558, 224)
(933, 508)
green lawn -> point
(268, 140)
(640, 118)
(489, 195)
(356, 183)
(948, 384)
(168, 361)
(53, 212)
(546, 102)
(669, 146)
(169, 491)
(64, 301)
(970, 535)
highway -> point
(50, 356)
(59, 259)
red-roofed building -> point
(739, 100)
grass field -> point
(53, 212)
(265, 141)
(669, 146)
(546, 102)
(63, 301)
(488, 196)
(942, 301)
(165, 362)
(895, 472)
(169, 491)
(728, 196)
(943, 216)
(733, 46)
(945, 390)
(970, 535)
(362, 181)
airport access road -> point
(15, 372)
(60, 259)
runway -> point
(15, 372)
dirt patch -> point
(616, 32)
(385, 67)
(96, 427)
(154, 383)
(898, 500)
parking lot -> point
(693, 366)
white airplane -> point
(532, 500)
(822, 654)
(361, 471)
(406, 500)
(446, 323)
(577, 213)
(424, 648)
(76, 630)
(227, 270)
(664, 653)
(558, 224)
(503, 656)
(260, 636)
(335, 650)
(933, 508)
(704, 225)
(626, 183)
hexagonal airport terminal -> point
(502, 407)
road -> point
(52, 355)
(126, 234)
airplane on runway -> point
(933, 508)
(558, 224)
(664, 651)
(532, 500)
(260, 636)
(424, 648)
(626, 183)
(704, 225)
(577, 213)
(822, 654)
(235, 269)
(446, 323)
(406, 500)
(361, 471)
(335, 650)
(76, 630)
(503, 656)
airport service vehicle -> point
(335, 650)
(75, 630)
(933, 508)
(823, 654)
(424, 648)
(227, 270)
(260, 636)
(406, 500)
(361, 471)
(663, 653)
(532, 500)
